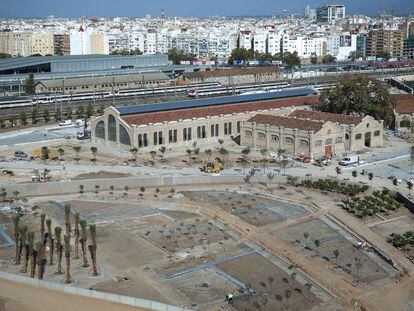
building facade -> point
(329, 13)
(312, 134)
(404, 113)
(387, 40)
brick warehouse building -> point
(179, 124)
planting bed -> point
(255, 210)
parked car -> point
(65, 123)
(20, 155)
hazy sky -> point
(138, 8)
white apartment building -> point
(274, 40)
(260, 42)
(245, 39)
(80, 42)
(151, 42)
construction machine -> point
(211, 167)
(39, 154)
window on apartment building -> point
(158, 138)
(201, 131)
(338, 140)
(187, 134)
(238, 124)
(318, 143)
(303, 143)
(172, 136)
(142, 140)
(377, 133)
(288, 140)
(225, 128)
(358, 136)
(405, 123)
(261, 135)
(274, 138)
(346, 136)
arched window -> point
(318, 143)
(261, 135)
(377, 133)
(111, 128)
(346, 136)
(100, 130)
(303, 143)
(288, 141)
(124, 138)
(358, 136)
(405, 123)
(328, 142)
(275, 138)
(248, 133)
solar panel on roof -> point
(215, 101)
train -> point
(28, 101)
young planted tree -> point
(370, 177)
(317, 244)
(67, 219)
(94, 151)
(126, 188)
(77, 235)
(50, 240)
(83, 224)
(23, 239)
(358, 265)
(395, 183)
(59, 248)
(410, 187)
(68, 279)
(45, 153)
(354, 175)
(77, 149)
(61, 152)
(208, 153)
(30, 238)
(336, 255)
(97, 190)
(270, 177)
(224, 154)
(23, 117)
(189, 153)
(134, 152)
(245, 152)
(16, 221)
(92, 249)
(162, 151)
(153, 153)
(285, 163)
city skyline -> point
(129, 8)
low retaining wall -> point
(136, 302)
(406, 201)
(73, 186)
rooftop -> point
(326, 116)
(214, 101)
(287, 122)
(404, 103)
(175, 115)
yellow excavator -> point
(50, 155)
(211, 167)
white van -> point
(350, 160)
(65, 122)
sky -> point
(198, 8)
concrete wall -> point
(136, 302)
(73, 186)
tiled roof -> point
(175, 115)
(231, 72)
(326, 116)
(287, 122)
(404, 103)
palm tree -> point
(16, 221)
(112, 191)
(82, 223)
(126, 188)
(67, 256)
(224, 154)
(77, 149)
(49, 240)
(358, 266)
(23, 239)
(395, 183)
(270, 177)
(42, 226)
(370, 177)
(94, 151)
(58, 235)
(97, 190)
(306, 236)
(208, 153)
(77, 235)
(336, 254)
(281, 152)
(45, 153)
(81, 189)
(244, 163)
(162, 151)
(61, 152)
(134, 152)
(317, 244)
(221, 141)
(354, 175)
(92, 248)
(410, 187)
(30, 237)
(67, 219)
(40, 249)
(245, 152)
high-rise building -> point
(61, 44)
(329, 13)
(387, 40)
